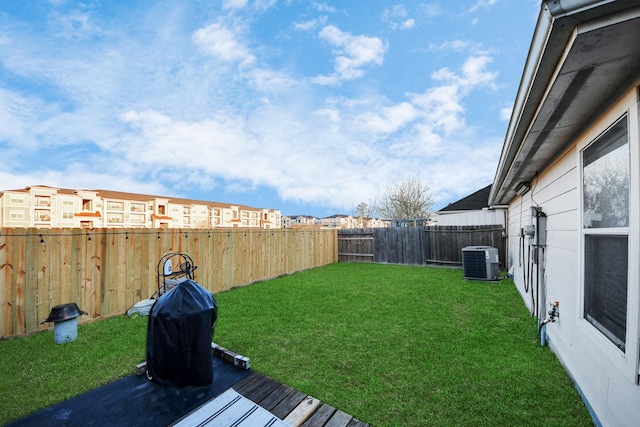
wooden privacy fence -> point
(106, 271)
(417, 245)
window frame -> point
(627, 361)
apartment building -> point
(299, 221)
(49, 207)
(333, 221)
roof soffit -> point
(601, 59)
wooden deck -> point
(134, 401)
(292, 406)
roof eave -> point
(539, 94)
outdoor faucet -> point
(554, 314)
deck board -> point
(302, 412)
(288, 404)
(258, 394)
(320, 416)
(283, 400)
(339, 419)
(270, 401)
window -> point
(137, 207)
(43, 215)
(16, 214)
(115, 218)
(86, 205)
(137, 218)
(43, 201)
(67, 215)
(115, 206)
(605, 195)
(16, 200)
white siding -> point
(479, 217)
(607, 378)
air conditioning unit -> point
(480, 263)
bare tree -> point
(408, 199)
(363, 211)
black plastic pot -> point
(63, 312)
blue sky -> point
(309, 107)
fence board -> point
(5, 292)
(32, 281)
(19, 256)
(105, 271)
(357, 245)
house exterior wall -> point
(606, 376)
(477, 217)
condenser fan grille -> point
(480, 263)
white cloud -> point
(310, 24)
(16, 117)
(482, 4)
(271, 81)
(505, 113)
(222, 43)
(252, 152)
(73, 24)
(388, 119)
(431, 10)
(458, 46)
(397, 11)
(353, 54)
(408, 24)
(262, 5)
(441, 107)
(323, 7)
(234, 4)
(473, 74)
(397, 17)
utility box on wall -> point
(480, 263)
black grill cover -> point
(179, 333)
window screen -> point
(605, 285)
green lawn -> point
(391, 345)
